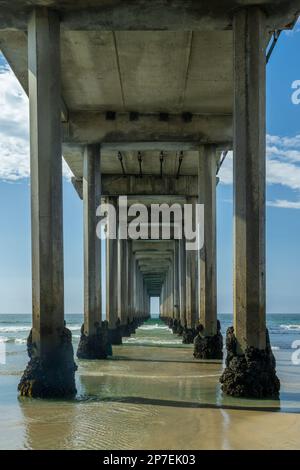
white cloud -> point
(225, 173)
(14, 128)
(284, 204)
(283, 166)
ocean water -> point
(284, 329)
(151, 394)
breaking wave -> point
(156, 326)
(290, 327)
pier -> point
(144, 100)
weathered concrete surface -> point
(93, 341)
(133, 185)
(250, 364)
(91, 126)
(249, 179)
(115, 336)
(182, 281)
(95, 345)
(46, 181)
(50, 371)
(50, 376)
(207, 288)
(92, 244)
(208, 347)
(252, 374)
(140, 15)
(122, 280)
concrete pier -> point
(104, 84)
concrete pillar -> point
(115, 335)
(170, 301)
(182, 281)
(209, 341)
(191, 287)
(162, 302)
(130, 286)
(130, 279)
(123, 286)
(176, 280)
(134, 288)
(243, 378)
(208, 261)
(94, 336)
(50, 372)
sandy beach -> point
(150, 397)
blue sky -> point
(283, 194)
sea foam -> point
(290, 327)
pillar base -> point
(126, 331)
(95, 346)
(180, 329)
(115, 336)
(176, 326)
(188, 335)
(252, 374)
(208, 347)
(53, 377)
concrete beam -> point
(90, 127)
(154, 246)
(131, 186)
(173, 15)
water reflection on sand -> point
(152, 397)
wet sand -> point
(151, 398)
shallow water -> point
(151, 394)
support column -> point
(130, 287)
(182, 283)
(176, 323)
(51, 368)
(170, 294)
(250, 364)
(115, 336)
(191, 289)
(209, 341)
(94, 336)
(134, 289)
(123, 286)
